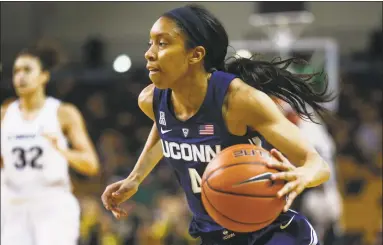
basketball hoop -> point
(283, 31)
(282, 28)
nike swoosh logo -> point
(165, 131)
(258, 178)
(287, 224)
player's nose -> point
(150, 55)
(19, 80)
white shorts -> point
(54, 220)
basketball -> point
(237, 191)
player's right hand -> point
(117, 193)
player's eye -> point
(163, 44)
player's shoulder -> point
(146, 95)
(240, 93)
(249, 105)
(68, 113)
(6, 103)
(68, 109)
(145, 100)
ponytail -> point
(275, 80)
(202, 28)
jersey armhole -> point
(156, 100)
(7, 105)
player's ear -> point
(197, 54)
(46, 76)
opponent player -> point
(200, 105)
(323, 205)
(39, 207)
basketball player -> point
(200, 105)
(39, 208)
(323, 205)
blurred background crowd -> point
(91, 35)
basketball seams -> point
(239, 222)
(235, 193)
(238, 194)
(234, 164)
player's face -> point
(28, 75)
(167, 58)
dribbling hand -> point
(117, 193)
(297, 178)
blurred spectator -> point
(93, 52)
(369, 133)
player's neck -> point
(33, 101)
(190, 93)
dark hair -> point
(49, 57)
(202, 29)
(272, 78)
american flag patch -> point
(207, 129)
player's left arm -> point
(82, 156)
(254, 108)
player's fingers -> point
(120, 192)
(287, 188)
(281, 166)
(124, 188)
(106, 197)
(290, 198)
(107, 202)
(115, 214)
(276, 165)
(300, 188)
(278, 155)
(124, 192)
(283, 160)
(119, 212)
(110, 204)
(288, 176)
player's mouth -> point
(22, 85)
(152, 70)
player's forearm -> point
(149, 158)
(319, 167)
(83, 162)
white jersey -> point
(32, 166)
(323, 143)
(324, 207)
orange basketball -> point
(237, 191)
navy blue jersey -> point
(190, 145)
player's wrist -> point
(136, 177)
